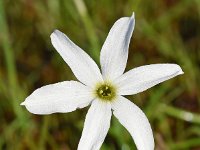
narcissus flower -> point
(103, 90)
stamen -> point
(105, 91)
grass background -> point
(167, 31)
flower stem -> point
(10, 60)
(90, 30)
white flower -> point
(103, 91)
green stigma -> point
(105, 91)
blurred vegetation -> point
(166, 31)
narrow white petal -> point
(141, 78)
(114, 52)
(135, 121)
(83, 67)
(96, 126)
(61, 97)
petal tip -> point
(23, 103)
(133, 14)
(133, 19)
(180, 71)
(177, 69)
(54, 32)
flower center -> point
(105, 92)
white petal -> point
(141, 78)
(114, 52)
(83, 67)
(61, 97)
(135, 121)
(96, 126)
